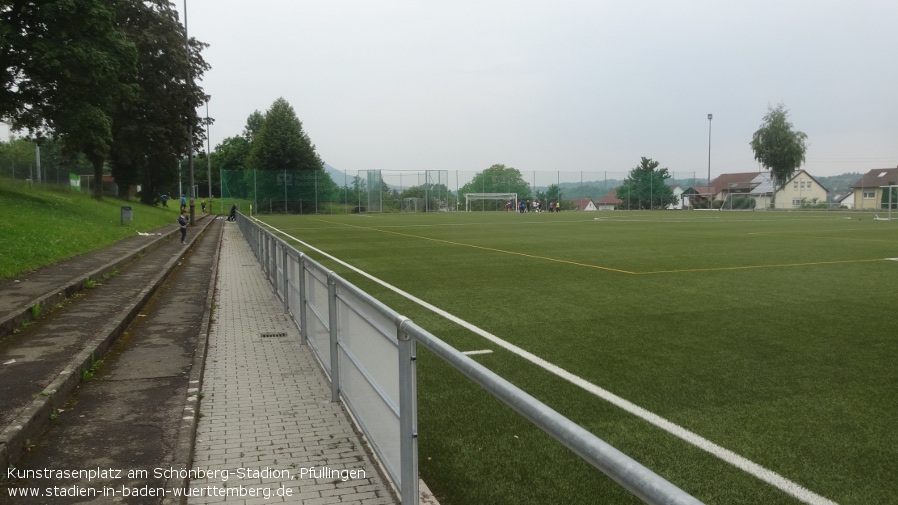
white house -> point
(584, 204)
(846, 200)
(678, 195)
(801, 189)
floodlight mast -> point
(192, 190)
(710, 117)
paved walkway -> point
(267, 426)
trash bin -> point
(126, 214)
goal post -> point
(889, 200)
(411, 205)
(436, 190)
(739, 201)
(371, 184)
(473, 197)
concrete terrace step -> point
(42, 363)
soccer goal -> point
(739, 201)
(412, 205)
(436, 190)
(889, 201)
(371, 184)
(474, 197)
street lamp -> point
(710, 117)
(208, 153)
(191, 189)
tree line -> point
(114, 81)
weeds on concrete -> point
(94, 366)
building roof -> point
(877, 177)
(763, 184)
(809, 175)
(696, 190)
(583, 203)
(733, 182)
(610, 199)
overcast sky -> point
(561, 84)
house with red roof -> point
(609, 201)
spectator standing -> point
(182, 221)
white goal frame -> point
(728, 201)
(890, 203)
(490, 196)
(410, 204)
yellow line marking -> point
(491, 249)
(752, 267)
(824, 237)
(608, 269)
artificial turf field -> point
(772, 335)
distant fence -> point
(368, 352)
(318, 192)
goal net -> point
(471, 200)
(371, 191)
(412, 205)
(739, 201)
(436, 188)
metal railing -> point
(356, 337)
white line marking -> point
(770, 477)
(482, 351)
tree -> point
(18, 157)
(553, 193)
(18, 153)
(108, 78)
(231, 154)
(253, 125)
(780, 149)
(645, 187)
(67, 68)
(498, 179)
(288, 167)
(280, 143)
(431, 195)
(151, 132)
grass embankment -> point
(42, 225)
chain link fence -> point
(319, 192)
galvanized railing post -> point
(286, 268)
(263, 256)
(408, 419)
(266, 253)
(303, 323)
(332, 323)
(273, 253)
